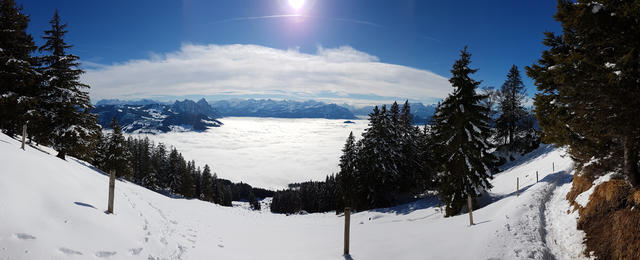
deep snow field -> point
(54, 209)
(267, 152)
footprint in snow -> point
(220, 245)
(68, 251)
(24, 236)
(105, 253)
(135, 251)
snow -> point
(583, 198)
(564, 240)
(596, 7)
(55, 209)
(609, 65)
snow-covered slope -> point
(54, 209)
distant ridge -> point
(151, 116)
(148, 116)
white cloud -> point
(339, 74)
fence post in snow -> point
(24, 135)
(347, 220)
(470, 209)
(112, 184)
(536, 176)
(553, 167)
(517, 186)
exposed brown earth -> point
(611, 219)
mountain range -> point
(155, 117)
(149, 116)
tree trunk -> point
(631, 161)
(62, 154)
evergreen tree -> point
(253, 202)
(410, 163)
(18, 76)
(187, 183)
(207, 184)
(461, 130)
(214, 188)
(426, 156)
(160, 165)
(175, 171)
(117, 153)
(102, 144)
(588, 81)
(347, 173)
(377, 167)
(511, 97)
(63, 97)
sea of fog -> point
(267, 152)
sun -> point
(296, 4)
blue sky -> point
(403, 42)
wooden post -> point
(347, 220)
(24, 135)
(553, 167)
(470, 209)
(112, 185)
(517, 186)
(536, 176)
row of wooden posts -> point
(112, 173)
(347, 210)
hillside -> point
(54, 209)
(144, 116)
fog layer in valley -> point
(267, 152)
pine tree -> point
(347, 174)
(117, 153)
(511, 96)
(175, 171)
(100, 157)
(410, 163)
(18, 75)
(160, 165)
(64, 99)
(377, 166)
(187, 183)
(588, 81)
(461, 130)
(207, 184)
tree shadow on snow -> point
(348, 257)
(529, 157)
(558, 178)
(403, 209)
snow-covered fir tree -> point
(511, 109)
(63, 99)
(378, 172)
(175, 172)
(589, 85)
(117, 155)
(348, 169)
(461, 130)
(207, 184)
(18, 74)
(410, 164)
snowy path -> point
(54, 209)
(563, 239)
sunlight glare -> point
(296, 4)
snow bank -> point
(583, 198)
(52, 209)
(565, 241)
